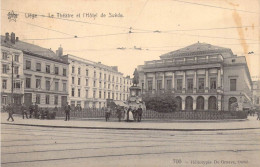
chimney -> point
(13, 38)
(7, 36)
(59, 52)
(17, 39)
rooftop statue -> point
(136, 78)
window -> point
(150, 85)
(48, 69)
(28, 83)
(94, 84)
(95, 74)
(104, 95)
(4, 70)
(108, 86)
(257, 100)
(4, 100)
(28, 65)
(86, 82)
(78, 92)
(73, 80)
(100, 84)
(78, 81)
(38, 98)
(56, 99)
(213, 83)
(38, 66)
(86, 72)
(78, 70)
(179, 84)
(64, 72)
(113, 95)
(190, 84)
(4, 84)
(4, 55)
(38, 83)
(17, 85)
(64, 87)
(108, 95)
(168, 84)
(86, 93)
(116, 96)
(56, 86)
(57, 70)
(73, 70)
(72, 92)
(47, 99)
(94, 94)
(104, 85)
(108, 77)
(113, 78)
(48, 85)
(16, 70)
(16, 58)
(100, 94)
(105, 76)
(100, 75)
(233, 84)
(159, 84)
(201, 83)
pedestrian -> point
(24, 111)
(119, 113)
(258, 115)
(67, 111)
(139, 112)
(31, 109)
(135, 114)
(9, 109)
(36, 111)
(107, 113)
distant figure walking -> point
(107, 113)
(67, 111)
(9, 109)
(24, 111)
(140, 112)
(119, 113)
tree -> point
(160, 102)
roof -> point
(32, 49)
(195, 49)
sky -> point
(156, 27)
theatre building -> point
(202, 77)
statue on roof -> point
(136, 78)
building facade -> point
(92, 83)
(256, 94)
(202, 77)
(9, 56)
(45, 74)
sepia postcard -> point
(122, 83)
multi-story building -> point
(202, 76)
(256, 94)
(11, 56)
(44, 73)
(92, 83)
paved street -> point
(45, 146)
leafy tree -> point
(160, 102)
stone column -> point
(195, 82)
(154, 88)
(184, 82)
(144, 82)
(183, 104)
(163, 83)
(173, 82)
(194, 104)
(207, 81)
(219, 103)
(219, 86)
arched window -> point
(188, 103)
(179, 103)
(232, 104)
(212, 103)
(200, 103)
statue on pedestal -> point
(136, 78)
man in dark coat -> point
(9, 109)
(24, 111)
(119, 113)
(67, 112)
(31, 109)
(139, 112)
(36, 110)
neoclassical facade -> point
(202, 77)
(91, 83)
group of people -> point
(32, 111)
(127, 113)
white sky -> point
(138, 14)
